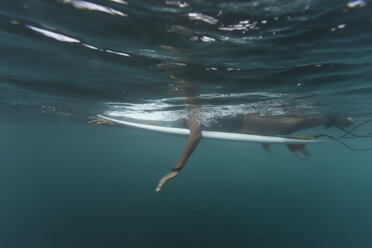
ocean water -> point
(67, 183)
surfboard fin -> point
(299, 150)
(267, 148)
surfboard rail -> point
(239, 137)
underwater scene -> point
(185, 123)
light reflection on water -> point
(85, 5)
(174, 47)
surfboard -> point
(241, 137)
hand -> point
(165, 178)
(101, 121)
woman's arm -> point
(192, 142)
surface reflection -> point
(79, 4)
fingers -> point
(96, 121)
(100, 121)
(93, 122)
(161, 183)
(170, 175)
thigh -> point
(268, 125)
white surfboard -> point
(215, 135)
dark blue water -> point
(65, 183)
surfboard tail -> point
(299, 150)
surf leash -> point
(350, 134)
(353, 135)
